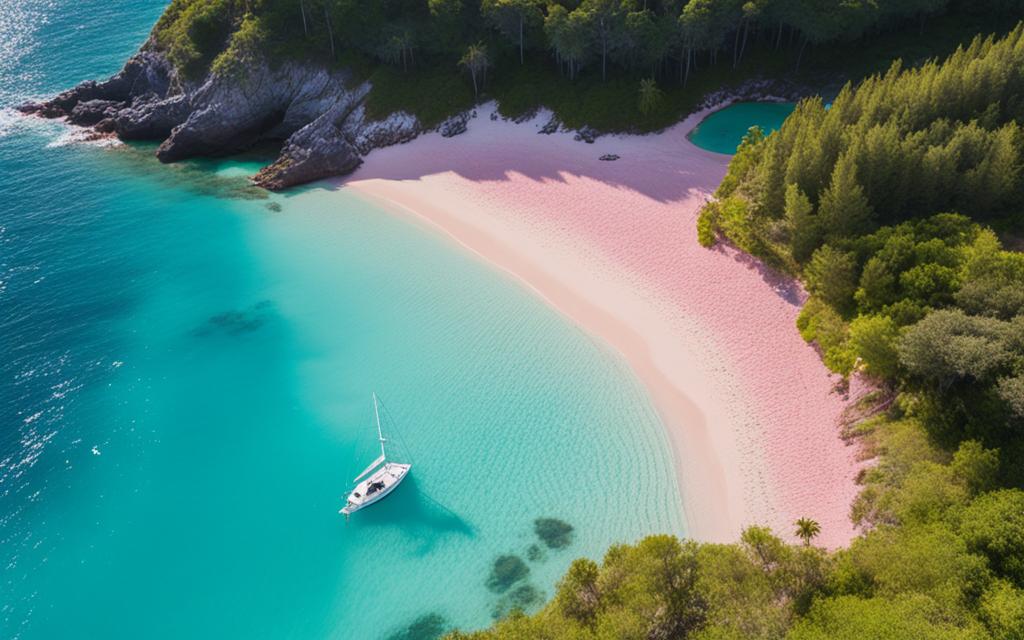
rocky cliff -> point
(318, 115)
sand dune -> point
(750, 409)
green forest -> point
(634, 65)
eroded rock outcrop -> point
(318, 115)
(145, 73)
(334, 143)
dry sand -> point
(749, 406)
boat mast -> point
(376, 415)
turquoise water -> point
(723, 130)
(185, 375)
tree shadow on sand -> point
(669, 170)
(784, 286)
(415, 514)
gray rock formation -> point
(318, 115)
(91, 112)
(760, 90)
(316, 150)
(145, 73)
(456, 124)
(586, 134)
(551, 126)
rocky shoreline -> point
(318, 116)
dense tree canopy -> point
(665, 38)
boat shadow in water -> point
(414, 513)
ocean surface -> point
(723, 130)
(186, 365)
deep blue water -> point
(185, 375)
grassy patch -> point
(430, 93)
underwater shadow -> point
(416, 514)
(199, 176)
(237, 322)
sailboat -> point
(377, 480)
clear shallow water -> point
(723, 130)
(184, 393)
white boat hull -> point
(375, 488)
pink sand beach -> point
(749, 407)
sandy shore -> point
(749, 407)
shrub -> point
(706, 229)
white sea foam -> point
(12, 121)
(8, 118)
(78, 135)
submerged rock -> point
(430, 626)
(507, 570)
(534, 553)
(522, 598)
(236, 323)
(555, 533)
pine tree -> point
(804, 230)
(832, 276)
(844, 209)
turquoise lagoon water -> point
(185, 376)
(723, 130)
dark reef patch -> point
(534, 553)
(199, 176)
(429, 626)
(274, 206)
(236, 323)
(555, 533)
(507, 570)
(522, 598)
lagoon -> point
(722, 131)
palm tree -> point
(650, 96)
(807, 529)
(476, 62)
(398, 48)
